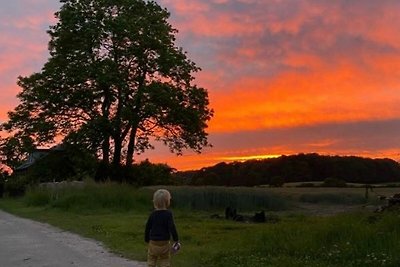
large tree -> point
(115, 81)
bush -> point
(2, 180)
(54, 167)
(16, 186)
(143, 174)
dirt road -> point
(28, 243)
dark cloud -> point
(331, 30)
(357, 136)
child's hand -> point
(175, 247)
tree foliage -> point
(334, 170)
(115, 81)
(144, 173)
(15, 149)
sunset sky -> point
(284, 76)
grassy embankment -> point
(116, 215)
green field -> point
(116, 214)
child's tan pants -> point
(158, 254)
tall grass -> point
(218, 198)
(91, 197)
(333, 198)
(119, 197)
(122, 197)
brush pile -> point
(392, 203)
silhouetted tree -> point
(115, 81)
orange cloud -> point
(345, 92)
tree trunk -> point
(106, 150)
(131, 147)
(117, 151)
(105, 108)
(135, 121)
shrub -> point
(2, 180)
(53, 167)
(143, 174)
(16, 185)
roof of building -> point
(37, 154)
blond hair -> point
(161, 199)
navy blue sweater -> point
(160, 226)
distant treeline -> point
(296, 168)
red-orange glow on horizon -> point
(184, 163)
(250, 157)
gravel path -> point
(28, 243)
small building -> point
(47, 164)
(36, 155)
